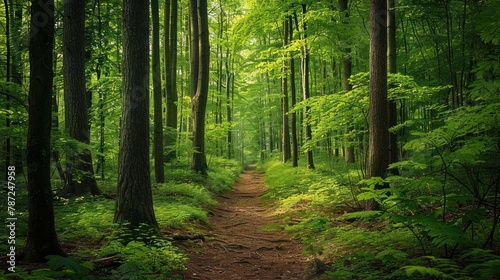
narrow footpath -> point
(237, 247)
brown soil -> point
(237, 247)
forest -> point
(360, 138)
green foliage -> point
(297, 189)
(142, 253)
(426, 271)
(69, 268)
(84, 217)
(418, 233)
(142, 261)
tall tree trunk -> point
(270, 116)
(102, 99)
(8, 78)
(229, 83)
(79, 171)
(393, 109)
(134, 201)
(41, 238)
(284, 101)
(200, 38)
(158, 106)
(378, 149)
(293, 92)
(170, 21)
(305, 90)
(16, 63)
(349, 155)
(194, 47)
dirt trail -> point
(237, 247)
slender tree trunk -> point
(170, 20)
(55, 126)
(293, 92)
(8, 78)
(229, 82)
(378, 150)
(134, 201)
(158, 117)
(284, 101)
(270, 116)
(305, 90)
(41, 238)
(200, 37)
(393, 109)
(193, 47)
(16, 63)
(79, 171)
(349, 155)
(102, 98)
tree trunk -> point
(199, 37)
(134, 202)
(41, 238)
(305, 90)
(79, 171)
(158, 106)
(378, 150)
(229, 83)
(102, 99)
(293, 92)
(8, 74)
(16, 63)
(393, 108)
(349, 155)
(171, 75)
(287, 153)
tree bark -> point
(378, 150)
(305, 90)
(79, 171)
(287, 153)
(229, 101)
(134, 202)
(393, 109)
(171, 75)
(349, 155)
(293, 93)
(200, 61)
(16, 72)
(8, 78)
(41, 238)
(158, 106)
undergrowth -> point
(405, 239)
(99, 249)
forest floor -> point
(237, 247)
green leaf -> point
(426, 271)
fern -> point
(425, 271)
(362, 215)
(69, 268)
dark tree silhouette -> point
(79, 171)
(41, 238)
